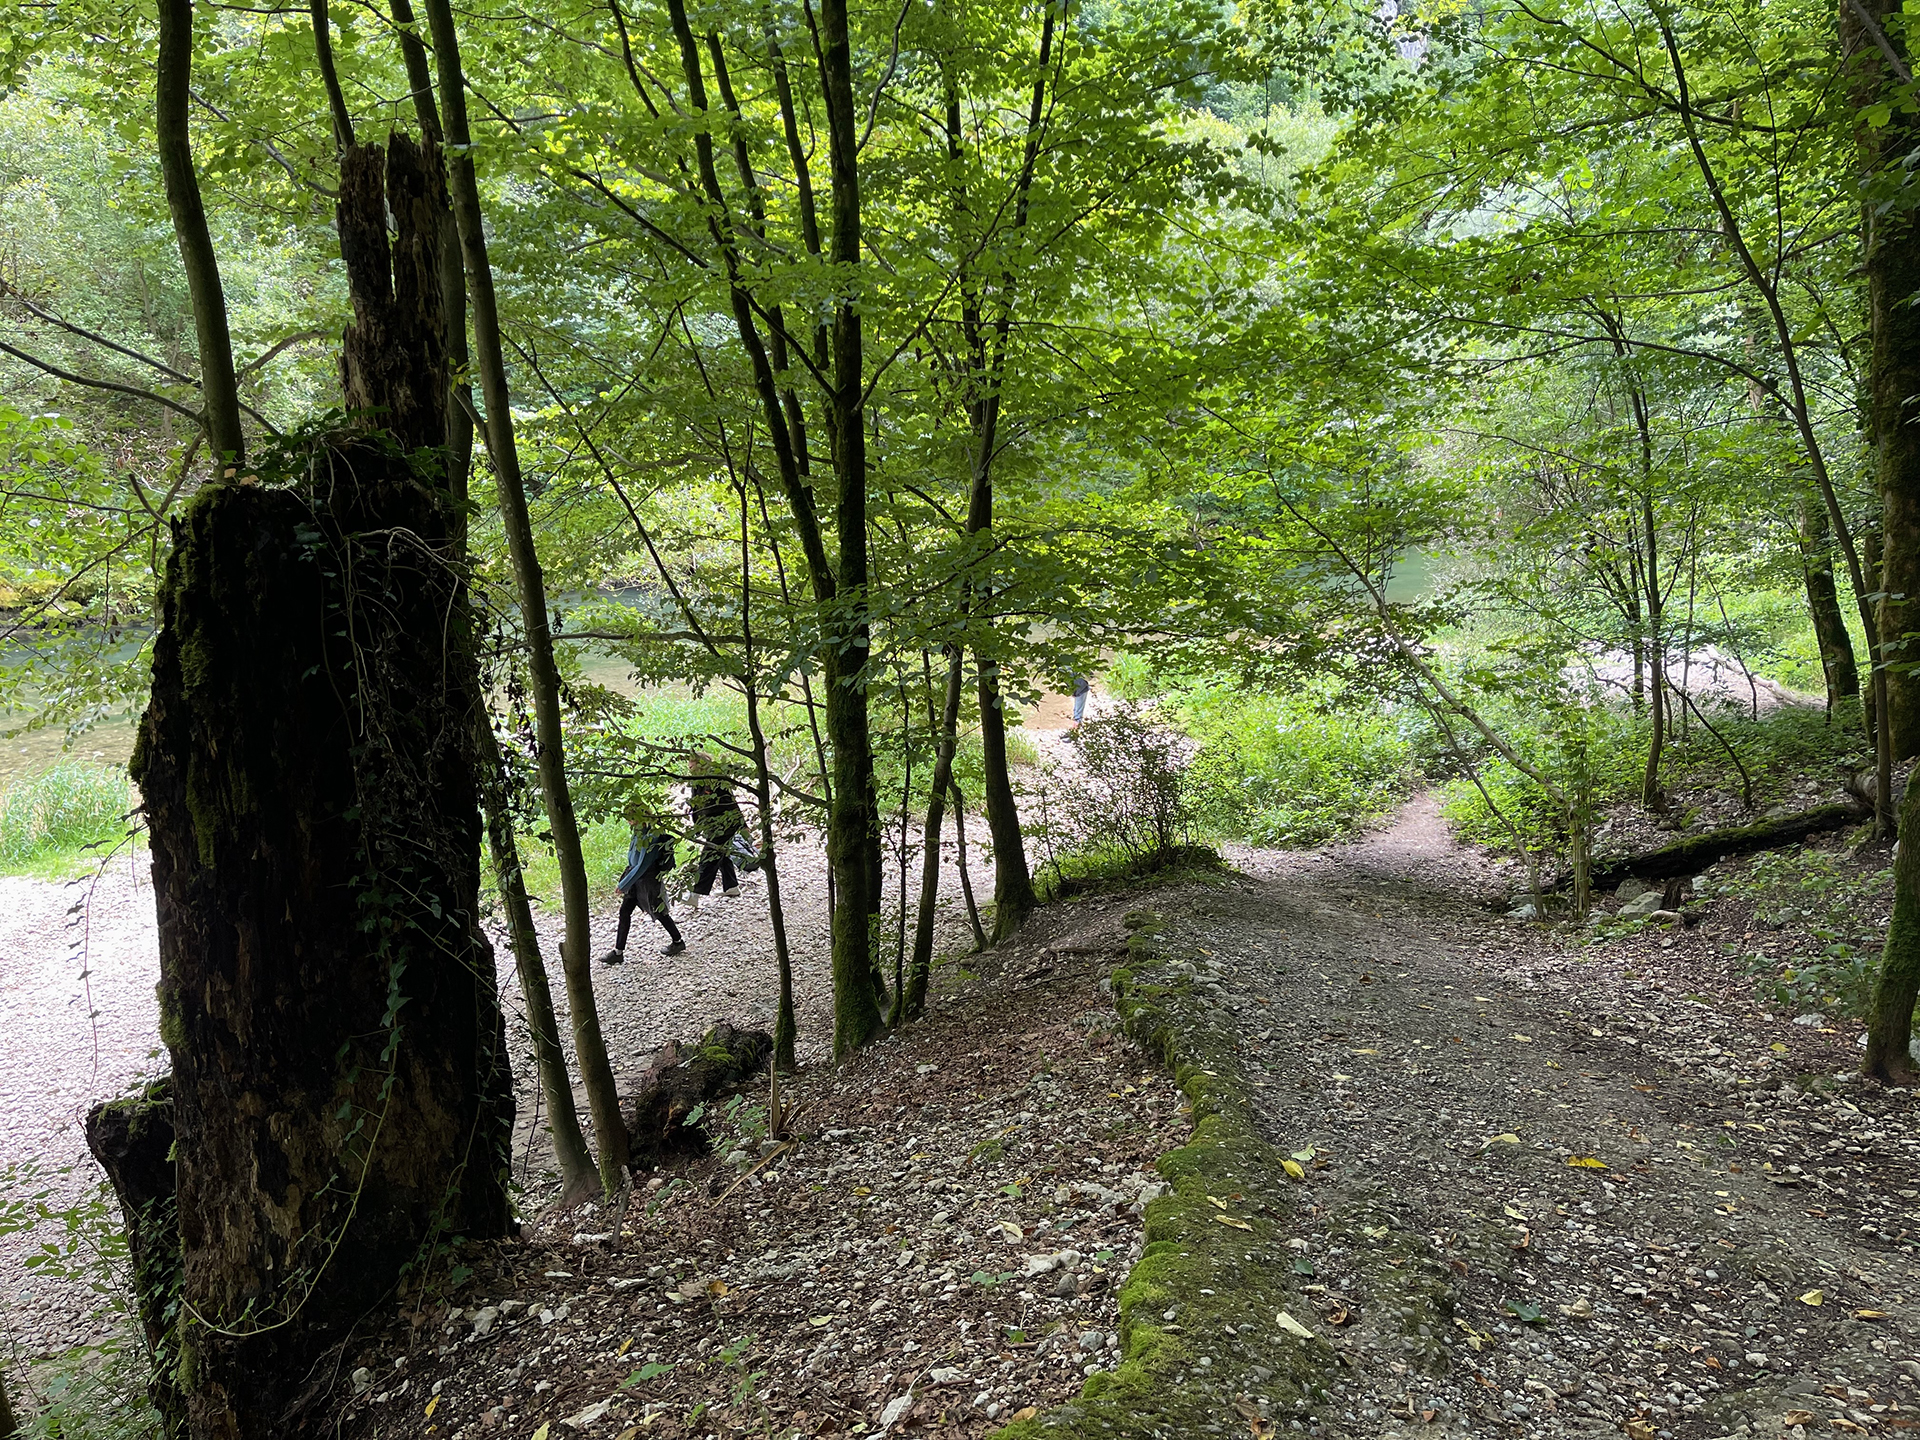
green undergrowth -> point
(57, 823)
(1099, 871)
(1821, 920)
(96, 1390)
(1216, 1272)
(1608, 757)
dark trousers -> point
(715, 861)
(646, 895)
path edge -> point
(1201, 1274)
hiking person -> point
(717, 822)
(1081, 686)
(649, 859)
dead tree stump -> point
(341, 1099)
(133, 1139)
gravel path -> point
(77, 968)
(1633, 1200)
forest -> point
(1092, 521)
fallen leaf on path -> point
(1638, 1429)
(1236, 1224)
(1026, 1412)
(1586, 1162)
(1522, 1039)
(1216, 1202)
(1010, 1230)
(1869, 1314)
(1506, 1138)
(1797, 1417)
(1292, 1167)
(1341, 1077)
(432, 1405)
(1515, 1211)
(541, 1433)
(1292, 1326)
(1305, 1155)
(1813, 1297)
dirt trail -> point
(1628, 1198)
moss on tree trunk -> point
(342, 1103)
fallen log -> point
(1695, 853)
(682, 1078)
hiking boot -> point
(675, 947)
(613, 957)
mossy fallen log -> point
(1696, 852)
(685, 1077)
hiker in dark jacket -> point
(716, 822)
(649, 859)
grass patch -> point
(56, 823)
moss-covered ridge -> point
(1203, 1348)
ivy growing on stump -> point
(341, 1098)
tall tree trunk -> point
(853, 832)
(340, 1087)
(219, 389)
(453, 288)
(1823, 603)
(543, 677)
(853, 843)
(986, 347)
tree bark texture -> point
(1823, 603)
(219, 389)
(1013, 897)
(133, 1141)
(1889, 1054)
(1891, 262)
(341, 1093)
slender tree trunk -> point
(577, 1173)
(785, 1031)
(1823, 603)
(1795, 400)
(1013, 897)
(218, 387)
(918, 971)
(330, 77)
(9, 1427)
(966, 876)
(543, 677)
(853, 832)
(853, 843)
